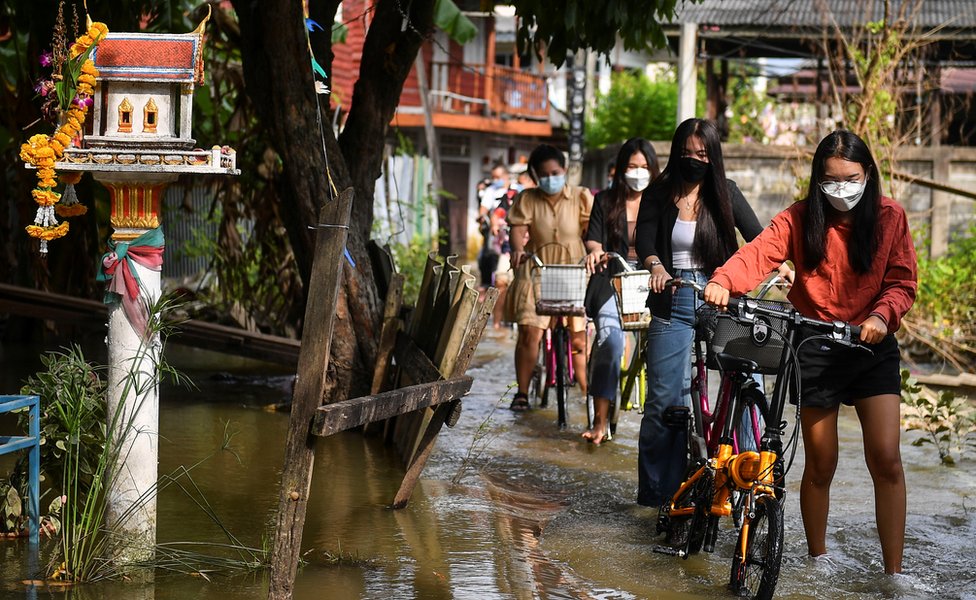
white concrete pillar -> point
(133, 390)
(687, 71)
(133, 412)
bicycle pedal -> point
(669, 551)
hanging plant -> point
(68, 96)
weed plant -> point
(947, 421)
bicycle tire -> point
(560, 339)
(689, 531)
(535, 386)
(613, 416)
(756, 574)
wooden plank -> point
(413, 362)
(960, 380)
(388, 334)
(313, 362)
(347, 414)
(445, 412)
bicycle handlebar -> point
(839, 331)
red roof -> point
(150, 57)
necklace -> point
(689, 201)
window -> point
(125, 116)
(150, 117)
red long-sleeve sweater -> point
(833, 291)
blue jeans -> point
(607, 350)
(662, 450)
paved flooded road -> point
(532, 512)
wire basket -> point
(560, 289)
(631, 291)
(761, 341)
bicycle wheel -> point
(687, 532)
(755, 574)
(560, 340)
(535, 386)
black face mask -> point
(692, 170)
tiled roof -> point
(954, 14)
(150, 57)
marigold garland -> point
(43, 151)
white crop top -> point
(682, 240)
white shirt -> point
(682, 241)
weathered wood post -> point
(313, 362)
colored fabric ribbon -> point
(118, 270)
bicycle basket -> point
(760, 341)
(560, 289)
(631, 291)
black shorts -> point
(832, 374)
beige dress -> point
(556, 231)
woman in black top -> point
(685, 228)
(611, 229)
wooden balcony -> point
(479, 98)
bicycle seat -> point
(727, 362)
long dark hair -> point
(715, 231)
(863, 243)
(616, 221)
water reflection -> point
(537, 515)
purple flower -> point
(46, 59)
(44, 87)
(85, 101)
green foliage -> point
(747, 109)
(948, 422)
(72, 393)
(634, 106)
(944, 311)
(576, 24)
(449, 18)
(411, 260)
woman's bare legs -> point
(601, 412)
(526, 354)
(578, 339)
(880, 418)
(820, 461)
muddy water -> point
(535, 513)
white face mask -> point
(843, 195)
(637, 179)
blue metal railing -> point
(31, 443)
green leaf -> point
(339, 33)
(449, 18)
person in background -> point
(685, 229)
(495, 195)
(525, 179)
(548, 221)
(855, 261)
(611, 229)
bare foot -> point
(595, 435)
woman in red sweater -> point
(855, 262)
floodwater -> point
(535, 512)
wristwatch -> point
(655, 263)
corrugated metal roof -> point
(804, 14)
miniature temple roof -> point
(150, 57)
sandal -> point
(520, 403)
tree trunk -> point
(278, 76)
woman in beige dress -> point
(548, 221)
